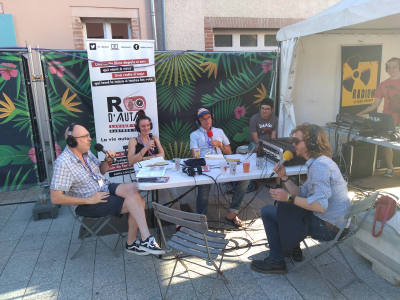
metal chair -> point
(354, 210)
(193, 239)
(94, 230)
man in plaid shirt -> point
(78, 179)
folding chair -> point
(354, 210)
(193, 239)
(94, 230)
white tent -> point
(310, 77)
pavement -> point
(35, 262)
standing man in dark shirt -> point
(263, 125)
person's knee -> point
(267, 211)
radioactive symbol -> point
(359, 72)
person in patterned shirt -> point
(78, 179)
(324, 194)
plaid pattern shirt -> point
(74, 178)
(325, 185)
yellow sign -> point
(359, 81)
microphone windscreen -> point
(150, 135)
(287, 155)
(210, 133)
(98, 147)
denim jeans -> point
(318, 230)
(203, 192)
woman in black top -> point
(142, 147)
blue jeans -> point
(203, 192)
(318, 230)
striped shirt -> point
(325, 185)
(76, 179)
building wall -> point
(55, 24)
(186, 18)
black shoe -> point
(269, 266)
(150, 245)
(134, 248)
(296, 255)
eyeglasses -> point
(205, 119)
(296, 141)
(86, 136)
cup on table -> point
(223, 167)
(43, 198)
(176, 164)
(196, 153)
(246, 166)
(260, 163)
(232, 167)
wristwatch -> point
(291, 198)
(221, 145)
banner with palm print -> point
(20, 148)
(230, 84)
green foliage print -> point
(175, 139)
(15, 185)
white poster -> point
(122, 77)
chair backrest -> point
(186, 219)
(361, 206)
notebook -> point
(154, 171)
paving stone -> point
(6, 250)
(19, 267)
(110, 240)
(358, 290)
(108, 269)
(115, 292)
(22, 212)
(14, 196)
(54, 248)
(6, 212)
(13, 230)
(33, 194)
(3, 195)
(40, 223)
(63, 225)
(278, 287)
(382, 287)
(13, 291)
(141, 281)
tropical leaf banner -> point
(230, 84)
(21, 159)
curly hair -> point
(324, 147)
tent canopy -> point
(348, 15)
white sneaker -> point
(150, 245)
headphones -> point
(196, 118)
(71, 141)
(140, 119)
(312, 142)
(392, 59)
(191, 171)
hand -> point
(279, 194)
(108, 158)
(97, 197)
(279, 170)
(359, 114)
(215, 143)
(150, 144)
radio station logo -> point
(114, 47)
(92, 46)
(134, 103)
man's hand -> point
(97, 197)
(215, 143)
(359, 115)
(280, 170)
(279, 194)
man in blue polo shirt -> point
(219, 143)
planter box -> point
(383, 251)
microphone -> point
(151, 137)
(210, 135)
(286, 156)
(100, 148)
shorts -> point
(112, 207)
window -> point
(223, 40)
(270, 41)
(106, 28)
(248, 40)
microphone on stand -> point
(286, 156)
(100, 148)
(151, 137)
(210, 135)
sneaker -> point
(269, 266)
(134, 248)
(150, 245)
(388, 173)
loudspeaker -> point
(358, 158)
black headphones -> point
(191, 171)
(140, 119)
(312, 142)
(196, 118)
(71, 141)
(392, 59)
